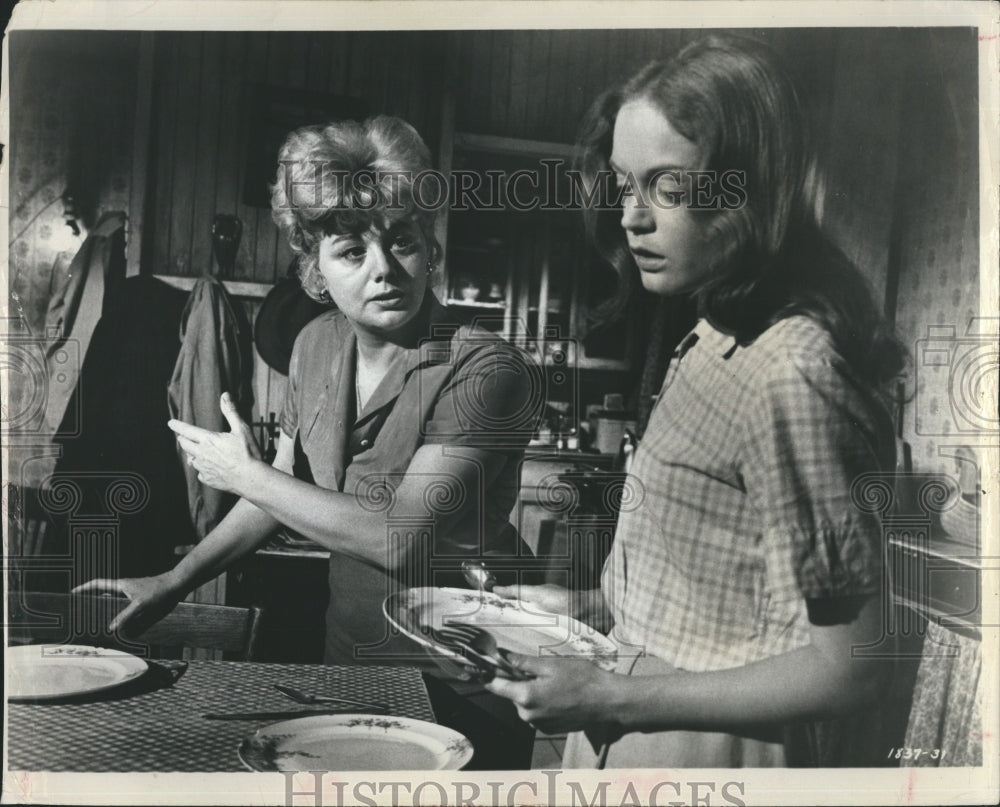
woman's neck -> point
(376, 348)
(375, 357)
(375, 353)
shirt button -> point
(365, 443)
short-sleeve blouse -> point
(461, 386)
(744, 509)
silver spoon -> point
(303, 697)
(477, 575)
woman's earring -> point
(324, 296)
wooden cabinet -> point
(938, 579)
(516, 257)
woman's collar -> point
(720, 341)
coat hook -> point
(226, 232)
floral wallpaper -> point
(72, 125)
(938, 292)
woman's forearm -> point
(346, 523)
(242, 529)
(821, 679)
(456, 476)
(332, 519)
(798, 685)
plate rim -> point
(121, 656)
(462, 758)
(592, 632)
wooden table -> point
(154, 725)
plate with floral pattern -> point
(516, 625)
(38, 672)
(355, 742)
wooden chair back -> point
(41, 617)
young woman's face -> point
(376, 278)
(665, 238)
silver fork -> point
(482, 644)
(487, 667)
(302, 697)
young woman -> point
(401, 432)
(746, 575)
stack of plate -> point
(516, 625)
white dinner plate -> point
(516, 625)
(46, 672)
(355, 742)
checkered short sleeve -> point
(811, 431)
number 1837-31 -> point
(915, 753)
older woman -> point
(745, 578)
(401, 431)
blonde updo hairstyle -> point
(348, 177)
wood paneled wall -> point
(529, 84)
(535, 85)
(539, 84)
(201, 115)
(202, 112)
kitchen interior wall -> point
(203, 109)
(532, 85)
(937, 254)
(881, 103)
(902, 157)
(202, 115)
(73, 101)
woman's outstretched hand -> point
(151, 599)
(566, 694)
(220, 458)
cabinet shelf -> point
(237, 288)
(477, 250)
(960, 623)
(492, 144)
(538, 260)
(500, 306)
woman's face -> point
(376, 278)
(665, 238)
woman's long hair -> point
(769, 258)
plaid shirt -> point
(746, 470)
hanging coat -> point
(216, 356)
(116, 424)
(74, 309)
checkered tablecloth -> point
(164, 730)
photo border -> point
(773, 787)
